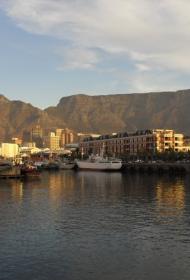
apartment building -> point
(142, 141)
(52, 141)
(37, 135)
(66, 136)
(9, 150)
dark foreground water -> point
(90, 225)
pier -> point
(166, 167)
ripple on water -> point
(90, 225)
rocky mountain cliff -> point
(17, 116)
(125, 112)
(100, 114)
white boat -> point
(99, 163)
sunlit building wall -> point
(66, 136)
(52, 141)
(143, 141)
(37, 136)
(9, 150)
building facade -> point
(52, 141)
(37, 135)
(143, 141)
(66, 136)
(9, 150)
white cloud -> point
(142, 67)
(154, 34)
(76, 58)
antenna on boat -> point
(102, 150)
(82, 152)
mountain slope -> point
(100, 114)
(126, 112)
(17, 116)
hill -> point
(125, 112)
(100, 114)
(17, 116)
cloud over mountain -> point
(152, 36)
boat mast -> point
(102, 150)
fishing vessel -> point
(99, 162)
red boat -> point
(29, 171)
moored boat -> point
(29, 171)
(52, 166)
(100, 163)
(66, 165)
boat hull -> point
(66, 166)
(108, 166)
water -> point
(95, 225)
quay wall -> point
(173, 168)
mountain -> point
(100, 114)
(17, 116)
(125, 112)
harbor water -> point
(95, 226)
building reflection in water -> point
(15, 188)
(169, 194)
(170, 198)
(61, 185)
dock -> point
(166, 167)
(11, 173)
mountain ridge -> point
(126, 111)
(100, 113)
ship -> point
(99, 162)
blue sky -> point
(54, 48)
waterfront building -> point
(168, 140)
(52, 141)
(66, 136)
(140, 142)
(29, 144)
(9, 150)
(82, 136)
(186, 147)
(27, 151)
(17, 141)
(37, 131)
(37, 136)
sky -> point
(55, 48)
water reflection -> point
(95, 225)
(101, 183)
(15, 188)
(68, 185)
(170, 198)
